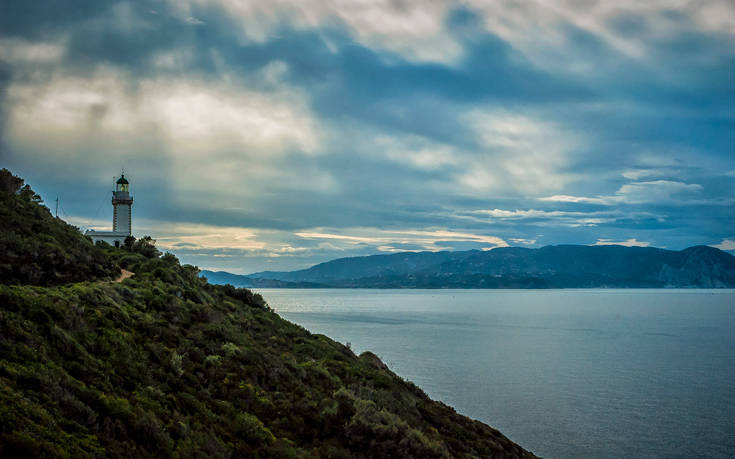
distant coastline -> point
(562, 266)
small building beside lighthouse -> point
(122, 218)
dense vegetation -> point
(36, 248)
(164, 364)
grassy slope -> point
(165, 364)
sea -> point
(564, 373)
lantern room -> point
(122, 183)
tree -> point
(129, 242)
(29, 195)
(9, 183)
(146, 246)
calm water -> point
(565, 373)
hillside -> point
(563, 266)
(36, 248)
(343, 269)
(164, 364)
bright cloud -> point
(637, 174)
(418, 152)
(530, 213)
(523, 241)
(191, 116)
(575, 199)
(627, 243)
(518, 152)
(658, 191)
(201, 236)
(552, 218)
(385, 239)
(209, 133)
(726, 244)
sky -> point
(276, 135)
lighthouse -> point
(122, 204)
(122, 216)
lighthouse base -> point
(114, 238)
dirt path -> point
(124, 275)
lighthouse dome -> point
(122, 180)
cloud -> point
(339, 237)
(225, 247)
(518, 152)
(655, 191)
(628, 243)
(726, 244)
(187, 113)
(637, 174)
(523, 241)
(629, 29)
(527, 214)
(418, 151)
(20, 51)
(194, 21)
(502, 151)
(567, 198)
(416, 30)
(207, 237)
(420, 31)
(658, 191)
(203, 133)
(552, 218)
(387, 239)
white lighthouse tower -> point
(122, 221)
(122, 204)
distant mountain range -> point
(561, 266)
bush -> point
(249, 428)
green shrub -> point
(250, 429)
